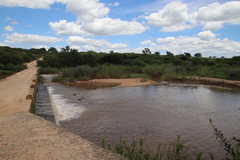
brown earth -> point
(129, 82)
(27, 136)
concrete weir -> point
(24, 135)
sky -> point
(209, 27)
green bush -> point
(48, 70)
(234, 74)
(138, 150)
(110, 71)
(158, 70)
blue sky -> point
(208, 27)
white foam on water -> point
(62, 108)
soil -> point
(131, 82)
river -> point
(158, 112)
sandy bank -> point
(132, 82)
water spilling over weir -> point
(43, 104)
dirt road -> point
(27, 136)
(14, 89)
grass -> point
(138, 150)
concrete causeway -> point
(26, 136)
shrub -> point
(232, 146)
(158, 70)
(110, 71)
(49, 70)
(138, 150)
(234, 74)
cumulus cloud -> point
(175, 17)
(103, 26)
(116, 4)
(94, 43)
(206, 35)
(42, 4)
(9, 28)
(206, 43)
(173, 14)
(215, 15)
(87, 10)
(67, 28)
(78, 40)
(146, 42)
(30, 39)
(108, 26)
(116, 45)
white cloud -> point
(15, 23)
(42, 4)
(9, 28)
(89, 48)
(103, 26)
(165, 40)
(116, 4)
(67, 28)
(116, 45)
(3, 44)
(213, 26)
(108, 26)
(77, 40)
(215, 15)
(30, 39)
(87, 10)
(206, 35)
(90, 44)
(172, 15)
(146, 42)
(30, 25)
(9, 18)
(175, 17)
(206, 43)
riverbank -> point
(212, 81)
(129, 82)
(27, 136)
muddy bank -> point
(209, 81)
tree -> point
(169, 54)
(157, 53)
(198, 55)
(146, 51)
(52, 50)
(187, 54)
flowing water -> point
(158, 112)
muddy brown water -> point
(158, 112)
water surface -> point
(158, 112)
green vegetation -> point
(121, 65)
(13, 60)
(231, 147)
(177, 150)
(138, 150)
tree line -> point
(12, 59)
(182, 64)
